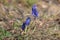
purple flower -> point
(34, 11)
(23, 26)
(26, 23)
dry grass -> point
(45, 27)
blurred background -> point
(14, 12)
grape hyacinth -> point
(34, 11)
(23, 26)
(26, 23)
